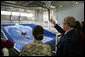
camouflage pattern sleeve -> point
(25, 50)
(47, 50)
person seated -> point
(36, 48)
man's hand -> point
(52, 21)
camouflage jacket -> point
(37, 48)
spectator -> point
(81, 37)
(82, 27)
(78, 25)
(37, 48)
(68, 45)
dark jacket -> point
(82, 29)
(68, 45)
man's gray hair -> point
(70, 21)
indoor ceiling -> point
(41, 3)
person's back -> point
(37, 48)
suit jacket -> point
(68, 45)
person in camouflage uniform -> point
(37, 48)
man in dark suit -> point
(68, 44)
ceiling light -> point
(5, 12)
(76, 2)
(60, 5)
(15, 13)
